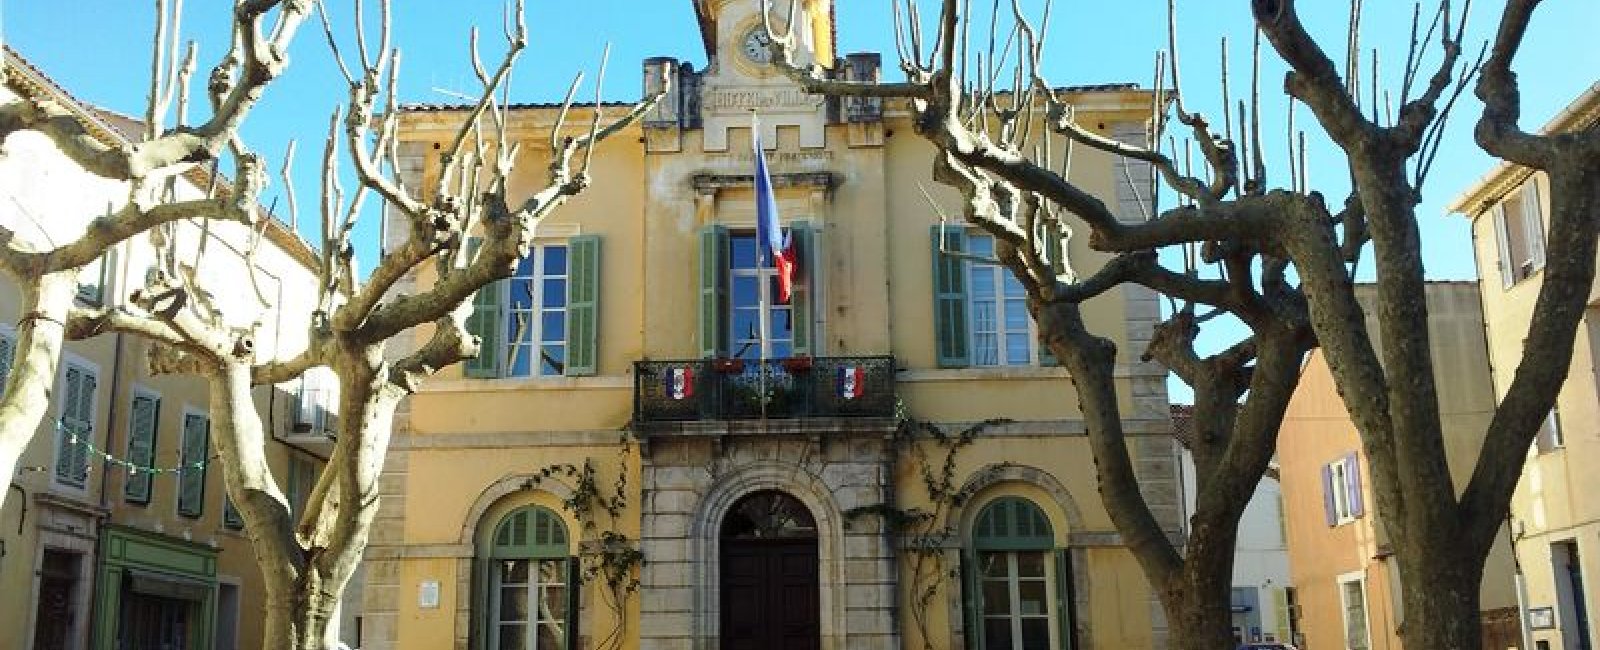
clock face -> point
(755, 45)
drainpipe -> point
(1521, 585)
(111, 417)
(890, 540)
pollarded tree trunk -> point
(1440, 593)
(1197, 600)
(32, 376)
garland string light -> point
(133, 468)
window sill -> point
(983, 372)
(602, 382)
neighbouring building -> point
(1346, 579)
(116, 532)
(620, 407)
(1262, 596)
(1555, 513)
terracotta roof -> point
(1183, 424)
(426, 107)
(115, 129)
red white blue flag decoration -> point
(852, 382)
(680, 383)
(774, 246)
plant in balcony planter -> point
(797, 364)
(727, 365)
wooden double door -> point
(769, 594)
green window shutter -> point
(69, 425)
(971, 602)
(807, 243)
(8, 356)
(583, 305)
(574, 580)
(713, 289)
(950, 297)
(486, 323)
(192, 479)
(230, 514)
(1066, 615)
(80, 456)
(142, 419)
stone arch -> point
(706, 545)
(997, 473)
(1001, 473)
(506, 486)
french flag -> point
(852, 382)
(775, 247)
(680, 383)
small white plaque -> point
(428, 594)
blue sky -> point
(99, 49)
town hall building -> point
(907, 467)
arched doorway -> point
(769, 574)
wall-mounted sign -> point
(1542, 618)
(428, 594)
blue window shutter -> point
(142, 424)
(713, 289)
(1330, 514)
(583, 306)
(803, 299)
(1352, 477)
(950, 297)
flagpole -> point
(763, 318)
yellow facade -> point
(1337, 545)
(471, 452)
(85, 561)
(1555, 516)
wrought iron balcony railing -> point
(746, 389)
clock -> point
(754, 45)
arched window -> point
(1016, 584)
(528, 599)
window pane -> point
(781, 349)
(549, 636)
(513, 637)
(555, 260)
(1013, 286)
(519, 361)
(520, 294)
(996, 598)
(744, 291)
(744, 251)
(553, 326)
(555, 293)
(744, 325)
(1032, 597)
(514, 603)
(525, 266)
(997, 634)
(984, 318)
(1036, 634)
(981, 245)
(1017, 352)
(992, 565)
(513, 571)
(782, 323)
(519, 327)
(982, 282)
(1030, 565)
(1016, 315)
(554, 607)
(985, 350)
(553, 360)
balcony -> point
(792, 389)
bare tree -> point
(48, 273)
(1281, 260)
(306, 560)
